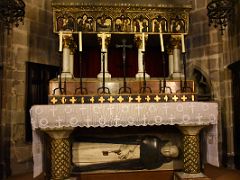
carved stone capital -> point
(138, 38)
(104, 40)
(175, 41)
(67, 39)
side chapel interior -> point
(113, 49)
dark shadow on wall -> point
(37, 88)
(235, 67)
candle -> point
(103, 42)
(140, 26)
(60, 40)
(161, 42)
(80, 41)
(143, 42)
(183, 44)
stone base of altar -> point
(186, 176)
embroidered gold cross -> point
(120, 99)
(165, 98)
(138, 99)
(111, 99)
(175, 98)
(73, 100)
(157, 98)
(101, 99)
(184, 98)
(92, 99)
(130, 99)
(147, 98)
(54, 100)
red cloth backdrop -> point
(91, 59)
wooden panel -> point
(115, 83)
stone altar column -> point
(177, 63)
(105, 39)
(65, 40)
(59, 157)
(191, 148)
(140, 41)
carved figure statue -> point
(85, 23)
(134, 153)
(177, 25)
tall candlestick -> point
(161, 42)
(80, 41)
(183, 44)
(143, 42)
(60, 40)
(103, 43)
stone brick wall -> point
(231, 54)
(211, 53)
(34, 41)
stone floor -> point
(211, 171)
(28, 176)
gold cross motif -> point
(175, 98)
(193, 98)
(166, 98)
(101, 99)
(184, 98)
(157, 98)
(73, 100)
(54, 100)
(82, 100)
(111, 99)
(92, 99)
(130, 99)
(63, 100)
(138, 99)
(120, 99)
(147, 98)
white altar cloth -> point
(122, 114)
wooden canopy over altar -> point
(120, 16)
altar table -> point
(59, 121)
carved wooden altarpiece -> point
(165, 23)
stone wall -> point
(35, 42)
(231, 54)
(211, 53)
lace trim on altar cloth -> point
(123, 114)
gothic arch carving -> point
(202, 84)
